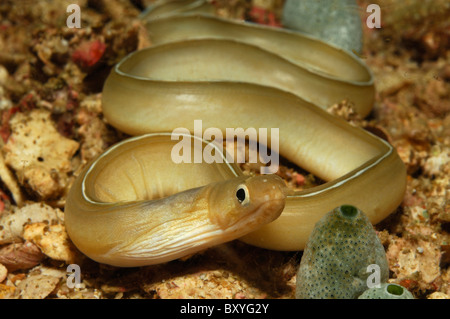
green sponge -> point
(336, 258)
(387, 291)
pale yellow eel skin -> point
(244, 76)
(119, 211)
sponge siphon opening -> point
(395, 290)
(348, 211)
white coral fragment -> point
(39, 155)
(12, 223)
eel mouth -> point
(265, 213)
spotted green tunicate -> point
(387, 291)
(342, 258)
(334, 21)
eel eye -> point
(242, 195)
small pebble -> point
(3, 75)
(3, 273)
